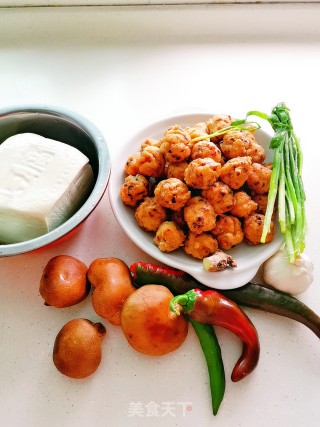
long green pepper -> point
(212, 353)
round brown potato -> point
(112, 284)
(148, 323)
(63, 282)
(77, 348)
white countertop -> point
(124, 67)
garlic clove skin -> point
(293, 278)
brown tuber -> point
(64, 282)
(77, 348)
(149, 325)
(112, 283)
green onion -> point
(238, 125)
(286, 181)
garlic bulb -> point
(293, 278)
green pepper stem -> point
(184, 302)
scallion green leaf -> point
(286, 181)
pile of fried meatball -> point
(197, 192)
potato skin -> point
(77, 348)
(112, 284)
(148, 324)
(64, 282)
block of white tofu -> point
(43, 182)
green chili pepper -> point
(213, 308)
(264, 298)
(251, 295)
(176, 280)
(212, 353)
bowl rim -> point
(212, 279)
(96, 193)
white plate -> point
(248, 258)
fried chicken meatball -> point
(228, 231)
(176, 144)
(259, 178)
(176, 170)
(134, 189)
(151, 162)
(202, 126)
(131, 166)
(218, 122)
(172, 193)
(235, 172)
(199, 215)
(197, 131)
(202, 173)
(252, 228)
(148, 162)
(200, 245)
(257, 153)
(169, 237)
(203, 149)
(242, 143)
(261, 200)
(150, 214)
(220, 196)
(243, 204)
(178, 218)
(150, 141)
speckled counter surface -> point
(123, 68)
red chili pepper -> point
(213, 308)
(252, 295)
